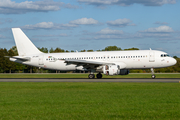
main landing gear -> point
(92, 76)
(153, 76)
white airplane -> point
(108, 62)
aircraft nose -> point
(173, 61)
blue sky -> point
(93, 24)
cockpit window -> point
(164, 55)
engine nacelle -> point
(111, 69)
(114, 70)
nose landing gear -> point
(152, 76)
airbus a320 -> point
(107, 62)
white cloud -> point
(128, 2)
(59, 35)
(11, 7)
(98, 2)
(108, 37)
(49, 25)
(106, 33)
(71, 24)
(42, 25)
(110, 32)
(71, 6)
(160, 33)
(161, 29)
(121, 23)
(84, 21)
(156, 35)
(161, 23)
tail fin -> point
(23, 43)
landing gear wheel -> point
(153, 76)
(91, 76)
(99, 76)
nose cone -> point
(173, 61)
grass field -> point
(168, 75)
(93, 101)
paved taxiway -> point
(165, 80)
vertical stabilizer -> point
(23, 43)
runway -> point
(138, 80)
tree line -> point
(6, 66)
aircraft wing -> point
(87, 64)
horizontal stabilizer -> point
(20, 58)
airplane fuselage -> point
(141, 59)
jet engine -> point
(114, 70)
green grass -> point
(141, 75)
(93, 101)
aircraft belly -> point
(140, 64)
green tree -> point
(11, 65)
(44, 50)
(89, 50)
(57, 50)
(14, 49)
(83, 51)
(51, 50)
(4, 60)
(112, 48)
(132, 49)
(175, 57)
